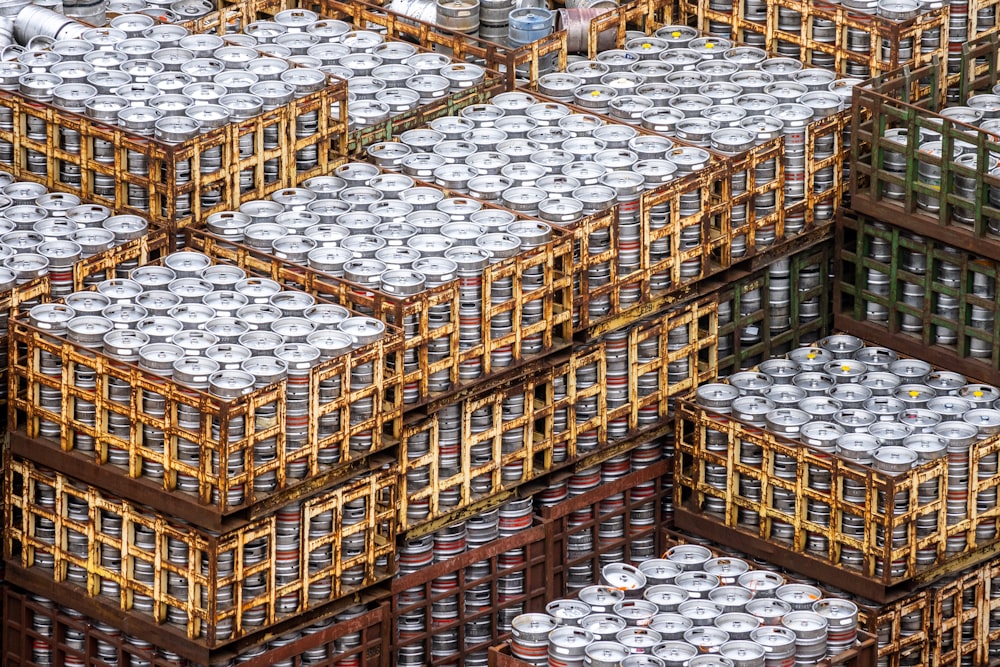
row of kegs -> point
(540, 158)
(948, 274)
(73, 648)
(980, 110)
(211, 328)
(873, 409)
(688, 609)
(46, 233)
(856, 40)
(382, 232)
(703, 89)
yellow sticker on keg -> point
(914, 393)
(845, 368)
(675, 33)
(811, 355)
(709, 45)
(977, 394)
(595, 93)
(647, 45)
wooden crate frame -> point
(21, 544)
(26, 413)
(536, 586)
(694, 421)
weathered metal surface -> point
(946, 337)
(694, 422)
(200, 564)
(25, 638)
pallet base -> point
(687, 519)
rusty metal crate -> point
(885, 35)
(97, 267)
(880, 317)
(871, 580)
(899, 101)
(516, 63)
(861, 656)
(684, 266)
(189, 578)
(23, 644)
(172, 205)
(213, 504)
(520, 557)
(583, 516)
(775, 333)
(553, 430)
(236, 16)
(553, 298)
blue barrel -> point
(529, 24)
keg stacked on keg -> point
(687, 608)
(713, 93)
(207, 586)
(872, 411)
(429, 626)
(379, 231)
(861, 38)
(619, 527)
(773, 310)
(217, 336)
(62, 634)
(547, 160)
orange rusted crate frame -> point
(554, 259)
(25, 411)
(233, 17)
(539, 437)
(98, 267)
(700, 14)
(160, 182)
(21, 545)
(693, 456)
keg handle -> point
(16, 49)
(40, 43)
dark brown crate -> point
(24, 645)
(199, 616)
(213, 502)
(862, 656)
(582, 516)
(522, 556)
